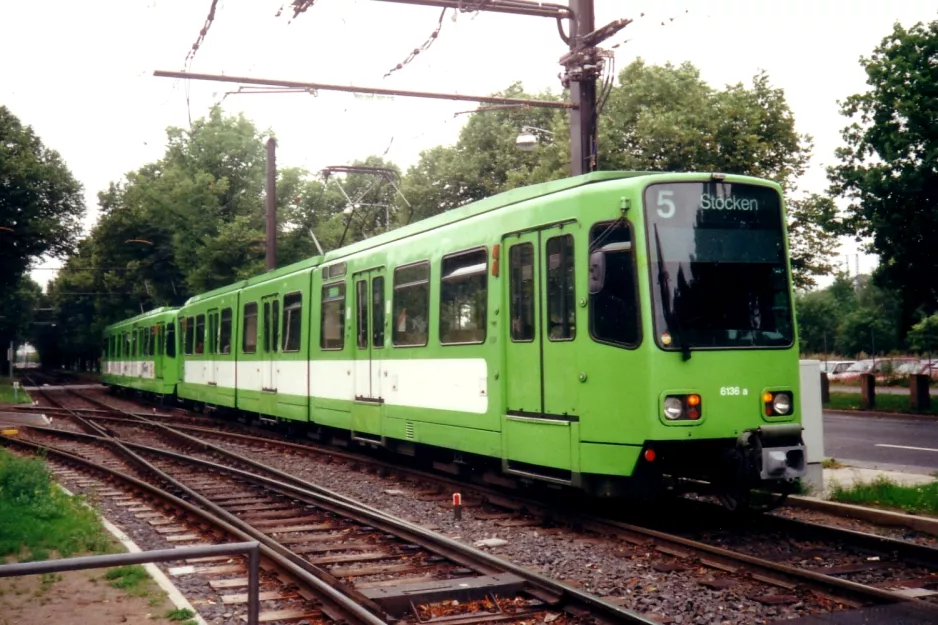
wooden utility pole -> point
(582, 72)
(271, 204)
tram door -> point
(370, 326)
(271, 342)
(156, 347)
(211, 348)
(542, 365)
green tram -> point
(609, 332)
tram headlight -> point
(781, 403)
(673, 408)
(778, 403)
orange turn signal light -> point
(767, 397)
(693, 400)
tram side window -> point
(224, 338)
(613, 311)
(189, 327)
(332, 332)
(249, 337)
(159, 336)
(411, 305)
(275, 325)
(292, 321)
(128, 345)
(200, 334)
(521, 286)
(361, 302)
(212, 335)
(561, 295)
(377, 312)
(171, 339)
(463, 293)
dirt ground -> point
(83, 597)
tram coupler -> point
(773, 452)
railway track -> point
(863, 570)
(898, 573)
(397, 572)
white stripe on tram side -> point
(459, 384)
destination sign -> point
(696, 204)
(733, 203)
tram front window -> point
(719, 275)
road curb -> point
(926, 525)
(874, 414)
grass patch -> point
(38, 518)
(6, 393)
(179, 614)
(884, 402)
(132, 578)
(884, 493)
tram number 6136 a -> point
(733, 390)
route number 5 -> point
(664, 199)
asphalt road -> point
(881, 443)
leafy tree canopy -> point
(888, 169)
(41, 206)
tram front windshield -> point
(719, 275)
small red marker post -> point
(457, 506)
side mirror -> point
(597, 277)
(597, 272)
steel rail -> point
(629, 532)
(794, 573)
(911, 551)
(325, 578)
(905, 550)
(337, 605)
(454, 550)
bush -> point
(24, 480)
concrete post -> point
(920, 396)
(867, 390)
(812, 419)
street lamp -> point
(527, 140)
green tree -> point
(40, 201)
(923, 336)
(871, 322)
(41, 206)
(888, 169)
(819, 316)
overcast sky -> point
(81, 73)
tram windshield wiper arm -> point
(672, 315)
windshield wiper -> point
(672, 317)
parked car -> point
(881, 368)
(835, 366)
(853, 371)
